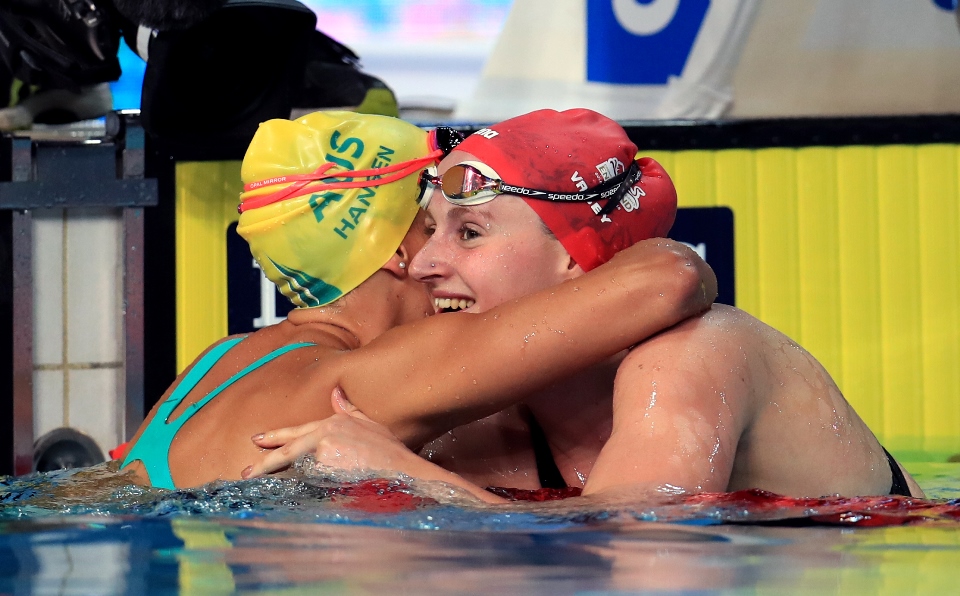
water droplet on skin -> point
(463, 369)
(716, 449)
(429, 387)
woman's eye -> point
(469, 234)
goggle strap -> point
(302, 187)
(281, 194)
(445, 139)
(403, 165)
(425, 181)
(630, 177)
(320, 173)
(366, 183)
(289, 178)
(617, 185)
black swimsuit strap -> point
(550, 476)
(899, 484)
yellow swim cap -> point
(328, 199)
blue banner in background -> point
(709, 231)
(253, 302)
(641, 42)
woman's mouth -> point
(452, 304)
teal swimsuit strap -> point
(153, 446)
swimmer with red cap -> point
(574, 174)
(719, 402)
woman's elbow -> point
(694, 282)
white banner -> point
(722, 58)
(629, 60)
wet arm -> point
(424, 379)
(677, 421)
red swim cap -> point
(573, 151)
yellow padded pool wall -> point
(207, 194)
(852, 251)
(855, 253)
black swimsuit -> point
(899, 485)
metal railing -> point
(51, 170)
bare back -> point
(215, 442)
(800, 435)
(724, 402)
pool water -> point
(90, 532)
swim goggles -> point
(441, 141)
(474, 183)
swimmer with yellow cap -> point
(328, 198)
(330, 210)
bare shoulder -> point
(724, 349)
(681, 401)
(704, 363)
(715, 335)
(297, 361)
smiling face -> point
(481, 256)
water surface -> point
(91, 533)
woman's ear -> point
(399, 263)
(573, 268)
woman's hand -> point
(348, 440)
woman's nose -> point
(429, 263)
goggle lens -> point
(463, 184)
